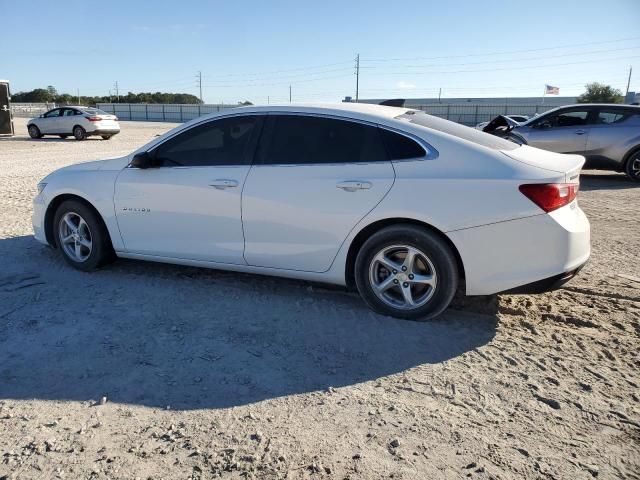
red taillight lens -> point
(550, 196)
(94, 119)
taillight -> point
(550, 196)
(94, 119)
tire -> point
(632, 166)
(434, 265)
(90, 234)
(34, 132)
(106, 137)
(79, 133)
(63, 136)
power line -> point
(484, 62)
(506, 52)
(511, 68)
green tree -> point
(53, 93)
(600, 93)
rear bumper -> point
(547, 284)
(544, 248)
(104, 131)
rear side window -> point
(401, 147)
(457, 130)
(225, 141)
(302, 139)
(612, 116)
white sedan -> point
(81, 122)
(401, 205)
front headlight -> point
(41, 187)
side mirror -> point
(142, 160)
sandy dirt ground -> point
(154, 371)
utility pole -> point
(117, 92)
(199, 77)
(439, 94)
(357, 75)
(289, 93)
(78, 96)
(628, 80)
(267, 99)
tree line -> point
(51, 95)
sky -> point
(256, 50)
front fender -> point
(96, 187)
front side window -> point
(306, 139)
(571, 118)
(220, 142)
(52, 113)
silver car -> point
(608, 135)
(80, 122)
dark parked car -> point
(608, 135)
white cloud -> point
(405, 85)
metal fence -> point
(465, 114)
(30, 109)
(472, 114)
(154, 112)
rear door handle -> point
(353, 185)
(222, 183)
(580, 132)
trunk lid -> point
(569, 165)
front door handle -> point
(222, 183)
(580, 132)
(353, 185)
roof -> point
(339, 109)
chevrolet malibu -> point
(402, 206)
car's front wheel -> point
(632, 167)
(406, 271)
(34, 132)
(79, 133)
(81, 236)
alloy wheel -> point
(75, 237)
(403, 277)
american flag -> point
(549, 90)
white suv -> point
(80, 122)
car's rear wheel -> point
(407, 272)
(106, 137)
(79, 133)
(81, 236)
(34, 132)
(632, 167)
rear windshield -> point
(94, 111)
(460, 131)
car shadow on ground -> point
(162, 335)
(594, 180)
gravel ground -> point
(155, 371)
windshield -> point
(94, 111)
(457, 130)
